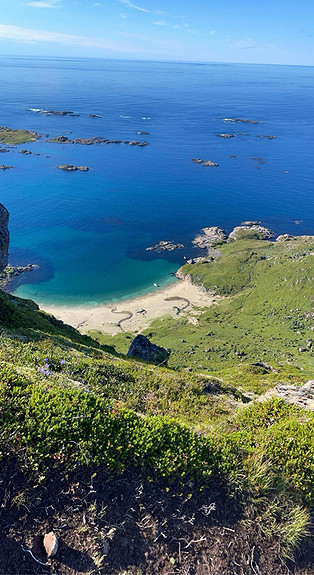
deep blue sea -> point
(88, 231)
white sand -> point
(101, 317)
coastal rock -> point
(268, 137)
(57, 113)
(10, 272)
(4, 167)
(203, 162)
(285, 238)
(4, 150)
(142, 348)
(4, 237)
(25, 152)
(94, 116)
(210, 237)
(243, 120)
(300, 396)
(164, 245)
(225, 135)
(251, 223)
(209, 163)
(94, 140)
(60, 140)
(70, 168)
(251, 231)
(199, 260)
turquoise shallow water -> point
(88, 231)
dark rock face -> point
(142, 348)
(4, 237)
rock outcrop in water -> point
(4, 237)
(210, 237)
(163, 246)
(70, 168)
(142, 348)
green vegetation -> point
(267, 316)
(67, 400)
(14, 137)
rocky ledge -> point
(210, 237)
(4, 167)
(10, 272)
(94, 116)
(70, 168)
(225, 135)
(203, 162)
(4, 236)
(251, 231)
(163, 246)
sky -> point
(248, 31)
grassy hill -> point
(143, 469)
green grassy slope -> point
(13, 137)
(67, 400)
(266, 315)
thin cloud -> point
(49, 4)
(245, 43)
(30, 35)
(131, 5)
(160, 23)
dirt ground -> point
(130, 526)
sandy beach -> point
(180, 298)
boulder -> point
(142, 348)
(300, 396)
(4, 237)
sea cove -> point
(89, 232)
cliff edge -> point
(4, 237)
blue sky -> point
(261, 31)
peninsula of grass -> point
(14, 137)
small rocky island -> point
(163, 246)
(4, 167)
(54, 112)
(94, 140)
(203, 162)
(11, 136)
(241, 120)
(70, 168)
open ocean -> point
(88, 231)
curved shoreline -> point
(174, 300)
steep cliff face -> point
(4, 236)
